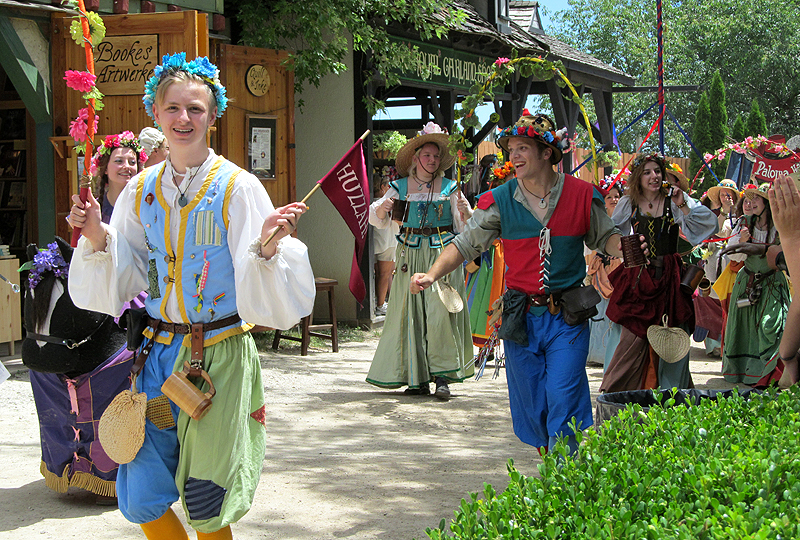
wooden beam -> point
(654, 89)
(21, 70)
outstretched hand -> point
(744, 249)
(784, 202)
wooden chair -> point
(307, 329)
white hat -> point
(150, 138)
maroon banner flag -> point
(347, 187)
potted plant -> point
(386, 145)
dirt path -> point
(344, 459)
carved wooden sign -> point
(123, 64)
(257, 80)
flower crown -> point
(608, 182)
(46, 260)
(659, 158)
(538, 126)
(127, 139)
(200, 66)
(501, 174)
(431, 127)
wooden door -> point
(174, 31)
(274, 107)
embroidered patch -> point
(260, 415)
(203, 498)
(206, 231)
(159, 412)
(152, 278)
(149, 198)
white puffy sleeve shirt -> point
(276, 293)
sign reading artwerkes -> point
(123, 64)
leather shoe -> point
(423, 390)
(442, 389)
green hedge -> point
(725, 469)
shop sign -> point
(445, 67)
(257, 80)
(123, 64)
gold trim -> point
(226, 202)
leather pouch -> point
(579, 304)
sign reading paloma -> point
(444, 66)
(124, 63)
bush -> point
(721, 469)
(389, 143)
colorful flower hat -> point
(127, 139)
(430, 133)
(751, 190)
(728, 184)
(538, 127)
(200, 66)
(675, 170)
(607, 183)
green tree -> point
(756, 122)
(702, 139)
(738, 133)
(719, 121)
(319, 33)
(755, 47)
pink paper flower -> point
(501, 61)
(78, 128)
(708, 157)
(748, 141)
(82, 81)
(142, 156)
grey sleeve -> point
(481, 230)
(601, 227)
(700, 223)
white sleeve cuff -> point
(255, 252)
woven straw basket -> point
(670, 344)
(449, 296)
(121, 428)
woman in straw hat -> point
(422, 341)
(190, 230)
(643, 295)
(759, 299)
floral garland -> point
(501, 72)
(127, 139)
(499, 175)
(201, 67)
(750, 143)
(658, 157)
(46, 260)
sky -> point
(484, 111)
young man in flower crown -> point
(190, 231)
(544, 218)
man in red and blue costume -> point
(543, 218)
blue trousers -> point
(547, 382)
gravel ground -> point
(344, 459)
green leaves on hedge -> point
(723, 469)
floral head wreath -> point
(46, 260)
(641, 159)
(607, 183)
(200, 66)
(499, 175)
(126, 139)
(538, 127)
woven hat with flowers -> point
(675, 170)
(430, 133)
(540, 128)
(727, 184)
(751, 190)
(124, 139)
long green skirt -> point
(422, 340)
(753, 332)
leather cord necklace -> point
(182, 200)
(541, 203)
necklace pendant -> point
(182, 200)
(542, 204)
(419, 187)
(650, 205)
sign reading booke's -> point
(123, 64)
(257, 80)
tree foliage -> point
(718, 122)
(702, 138)
(756, 122)
(738, 132)
(754, 46)
(319, 33)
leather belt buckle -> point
(181, 328)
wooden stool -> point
(306, 326)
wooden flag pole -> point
(308, 196)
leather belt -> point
(186, 328)
(428, 231)
(197, 331)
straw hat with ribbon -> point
(430, 133)
(677, 172)
(540, 128)
(751, 190)
(670, 344)
(730, 185)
